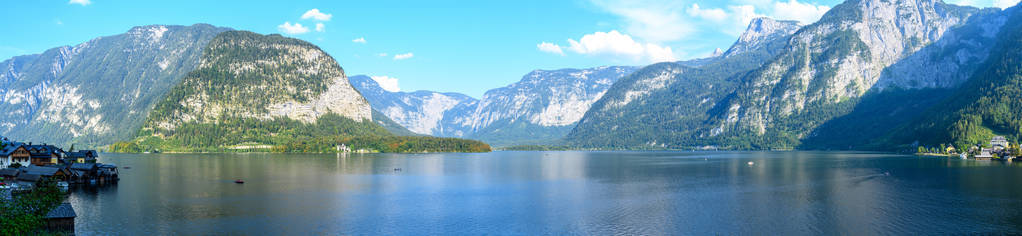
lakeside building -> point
(998, 143)
(61, 218)
(984, 154)
(24, 165)
(12, 154)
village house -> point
(998, 143)
(61, 218)
(9, 175)
(11, 154)
(108, 172)
(81, 156)
(43, 155)
(50, 172)
(984, 154)
(86, 170)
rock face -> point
(247, 75)
(761, 30)
(99, 91)
(543, 106)
(802, 78)
(834, 61)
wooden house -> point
(53, 173)
(81, 156)
(43, 155)
(11, 154)
(61, 218)
(998, 143)
(9, 175)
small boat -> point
(127, 167)
(397, 169)
(239, 181)
(751, 163)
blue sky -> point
(450, 46)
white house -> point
(999, 143)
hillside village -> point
(999, 148)
(32, 175)
(25, 164)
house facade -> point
(43, 155)
(14, 154)
(999, 143)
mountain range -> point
(865, 69)
(870, 74)
(540, 108)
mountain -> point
(663, 104)
(842, 71)
(253, 91)
(987, 104)
(421, 111)
(542, 107)
(99, 91)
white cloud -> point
(320, 27)
(80, 2)
(403, 56)
(652, 20)
(614, 43)
(382, 54)
(387, 83)
(296, 28)
(806, 13)
(713, 14)
(1005, 3)
(551, 48)
(317, 15)
(361, 40)
(985, 3)
(741, 15)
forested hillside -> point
(271, 93)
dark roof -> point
(7, 150)
(9, 172)
(76, 155)
(64, 210)
(29, 177)
(84, 166)
(42, 170)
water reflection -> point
(553, 193)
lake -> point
(560, 193)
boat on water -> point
(239, 181)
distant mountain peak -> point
(760, 30)
(718, 52)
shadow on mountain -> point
(887, 106)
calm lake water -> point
(560, 193)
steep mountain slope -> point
(989, 104)
(662, 104)
(911, 86)
(262, 92)
(829, 65)
(99, 91)
(419, 111)
(859, 56)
